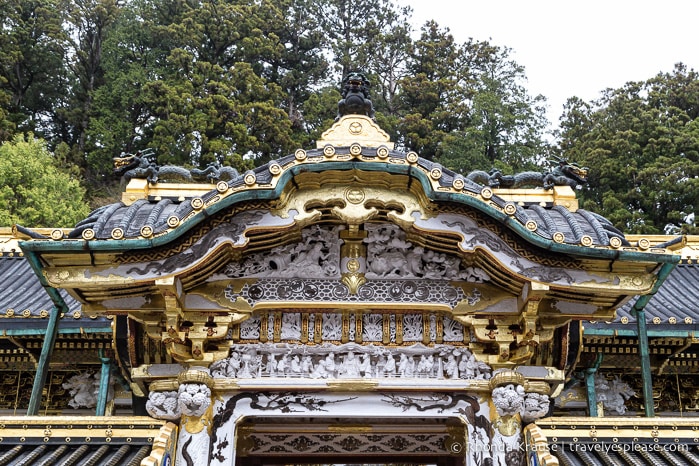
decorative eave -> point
(613, 440)
(548, 260)
(195, 203)
(81, 439)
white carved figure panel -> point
(250, 328)
(412, 327)
(83, 389)
(291, 326)
(453, 330)
(612, 393)
(372, 327)
(317, 255)
(390, 256)
(349, 360)
(332, 326)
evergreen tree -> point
(300, 68)
(434, 101)
(32, 71)
(642, 142)
(34, 192)
(506, 124)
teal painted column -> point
(42, 367)
(644, 352)
(105, 375)
(640, 313)
(590, 385)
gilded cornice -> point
(353, 129)
(77, 428)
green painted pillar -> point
(590, 385)
(103, 393)
(640, 313)
(42, 367)
(644, 352)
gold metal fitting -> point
(195, 376)
(117, 233)
(250, 179)
(506, 377)
(222, 187)
(355, 149)
(197, 203)
(328, 150)
(275, 169)
(146, 231)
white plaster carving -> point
(451, 366)
(412, 327)
(372, 327)
(163, 405)
(84, 389)
(311, 326)
(535, 407)
(250, 328)
(508, 399)
(471, 368)
(613, 393)
(389, 255)
(193, 399)
(349, 360)
(352, 327)
(291, 326)
(228, 367)
(317, 255)
(332, 326)
(475, 237)
(453, 330)
(270, 326)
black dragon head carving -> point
(125, 162)
(355, 96)
(571, 171)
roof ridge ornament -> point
(355, 96)
(355, 122)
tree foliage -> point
(33, 190)
(243, 82)
(642, 141)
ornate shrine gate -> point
(346, 303)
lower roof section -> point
(614, 441)
(67, 440)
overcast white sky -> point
(576, 48)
